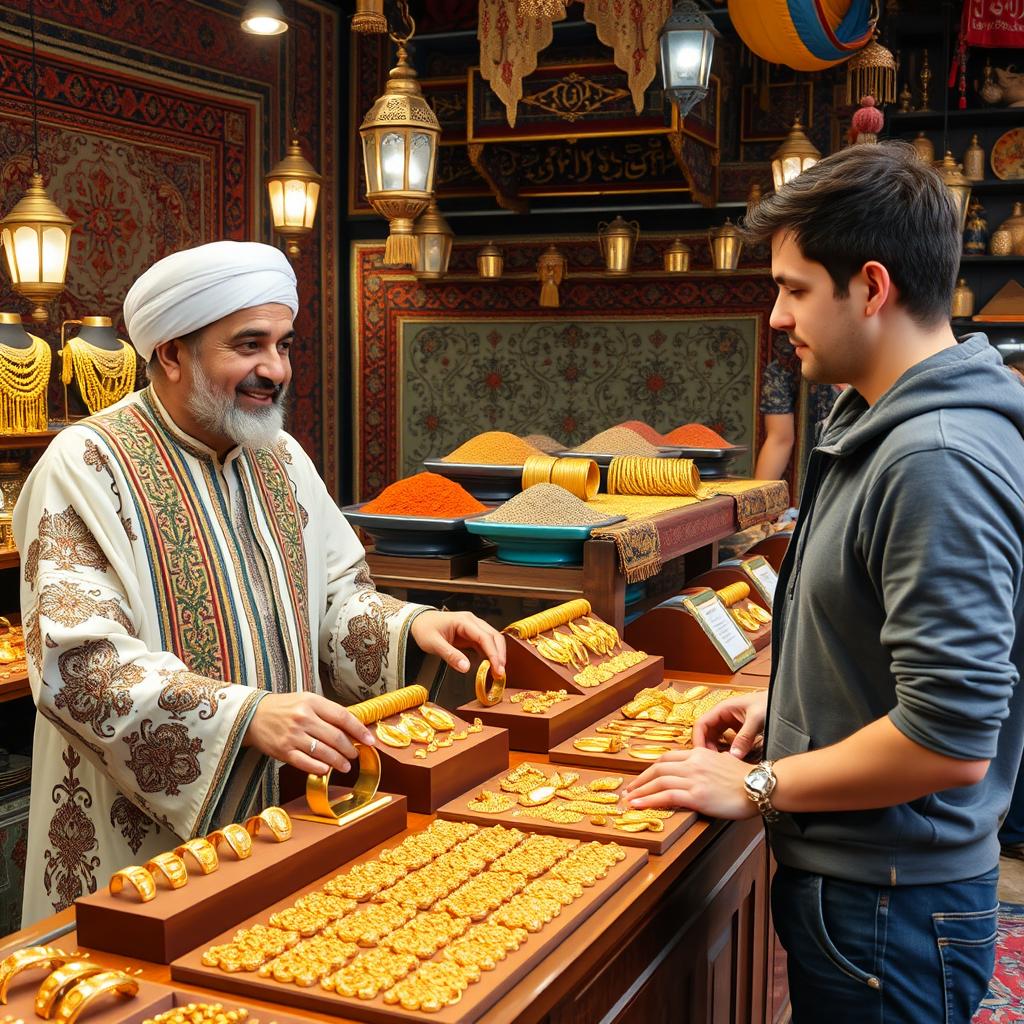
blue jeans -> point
(865, 954)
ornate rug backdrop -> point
(437, 361)
(155, 132)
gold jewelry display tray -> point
(177, 919)
(476, 999)
(654, 842)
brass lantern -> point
(957, 185)
(293, 186)
(36, 237)
(264, 18)
(677, 257)
(726, 245)
(794, 156)
(400, 134)
(687, 46)
(489, 261)
(433, 243)
(618, 239)
(369, 17)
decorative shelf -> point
(992, 259)
(15, 687)
(957, 118)
(9, 558)
(35, 440)
(984, 325)
(997, 185)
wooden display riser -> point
(431, 567)
(721, 576)
(653, 842)
(177, 919)
(566, 577)
(475, 1000)
(757, 672)
(566, 753)
(429, 782)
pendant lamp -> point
(687, 46)
(794, 156)
(264, 18)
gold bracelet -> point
(363, 791)
(27, 960)
(139, 878)
(69, 974)
(203, 853)
(387, 704)
(171, 866)
(237, 838)
(88, 990)
(734, 592)
(489, 695)
(276, 819)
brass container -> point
(963, 300)
(925, 148)
(1001, 243)
(552, 270)
(726, 244)
(974, 161)
(618, 240)
(489, 261)
(1014, 224)
(677, 257)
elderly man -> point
(186, 575)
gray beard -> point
(219, 412)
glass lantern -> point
(687, 46)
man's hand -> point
(745, 714)
(442, 633)
(285, 726)
(698, 780)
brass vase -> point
(489, 261)
(963, 300)
(974, 160)
(726, 244)
(677, 257)
(1014, 224)
(925, 148)
(618, 240)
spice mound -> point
(617, 441)
(696, 435)
(647, 432)
(425, 494)
(546, 505)
(493, 448)
(544, 443)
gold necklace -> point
(24, 374)
(104, 377)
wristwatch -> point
(760, 784)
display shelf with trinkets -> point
(400, 942)
(632, 725)
(175, 919)
(13, 667)
(575, 810)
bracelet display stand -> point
(108, 1009)
(567, 753)
(654, 842)
(773, 548)
(177, 919)
(476, 999)
(686, 642)
(428, 782)
(734, 572)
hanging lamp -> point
(400, 134)
(434, 238)
(687, 46)
(369, 17)
(871, 72)
(264, 18)
(36, 233)
(794, 156)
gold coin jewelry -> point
(237, 838)
(24, 376)
(393, 735)
(489, 802)
(418, 729)
(138, 878)
(30, 959)
(275, 819)
(437, 718)
(170, 867)
(734, 592)
(104, 376)
(744, 621)
(387, 704)
(599, 744)
(495, 692)
(87, 991)
(57, 981)
(759, 614)
(202, 1013)
(202, 851)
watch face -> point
(758, 780)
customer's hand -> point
(443, 633)
(307, 731)
(744, 714)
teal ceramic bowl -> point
(537, 545)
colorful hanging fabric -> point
(631, 29)
(993, 23)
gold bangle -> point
(365, 788)
(237, 838)
(489, 695)
(647, 753)
(734, 592)
(203, 853)
(138, 878)
(26, 960)
(385, 705)
(171, 866)
(276, 819)
(88, 990)
(69, 974)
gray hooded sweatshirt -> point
(902, 595)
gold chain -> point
(24, 374)
(104, 377)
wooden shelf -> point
(9, 442)
(1013, 185)
(15, 687)
(10, 558)
(957, 118)
(992, 259)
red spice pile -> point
(696, 435)
(646, 432)
(425, 494)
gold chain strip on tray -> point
(633, 474)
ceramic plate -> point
(1008, 155)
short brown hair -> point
(872, 202)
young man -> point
(893, 725)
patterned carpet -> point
(1005, 1001)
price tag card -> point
(720, 627)
(763, 576)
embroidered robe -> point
(164, 593)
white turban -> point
(195, 287)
